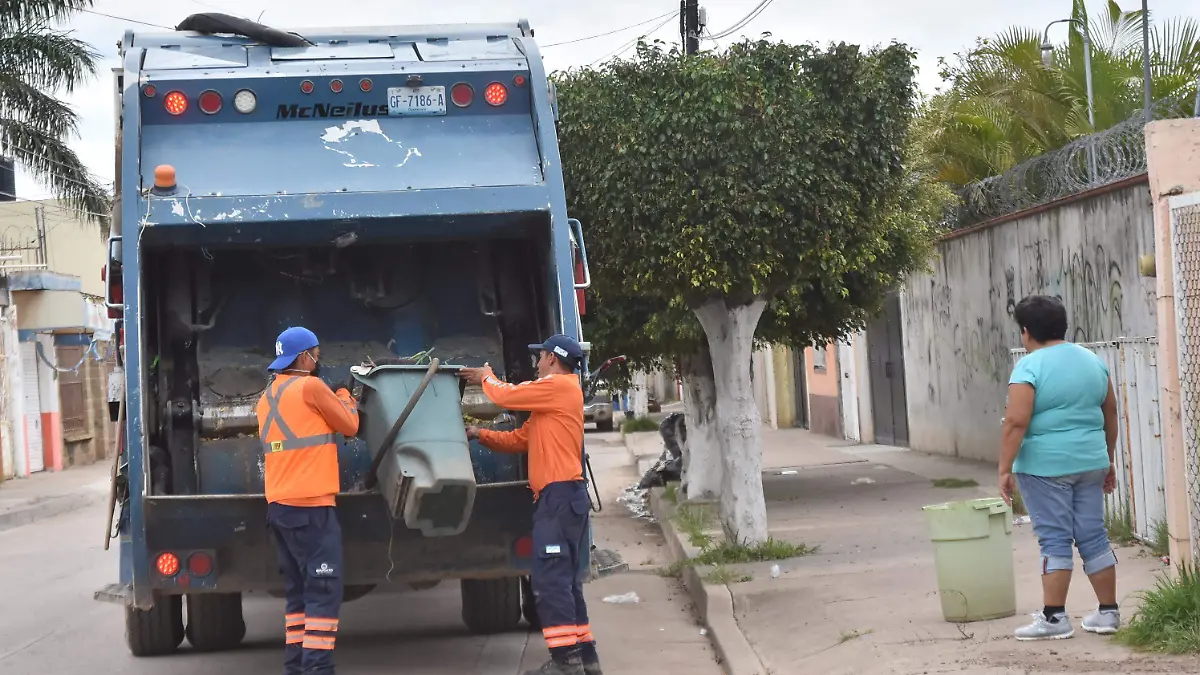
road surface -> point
(50, 625)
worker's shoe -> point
(569, 664)
(1058, 628)
(592, 668)
(591, 660)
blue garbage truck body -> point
(398, 191)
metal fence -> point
(1141, 480)
(1087, 163)
(1185, 261)
(22, 248)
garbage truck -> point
(395, 189)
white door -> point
(33, 406)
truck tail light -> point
(461, 94)
(167, 564)
(175, 103)
(200, 564)
(580, 298)
(116, 293)
(524, 547)
(495, 94)
(210, 102)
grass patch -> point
(728, 553)
(671, 493)
(638, 424)
(1018, 504)
(722, 575)
(1119, 523)
(674, 570)
(693, 520)
(1160, 544)
(955, 483)
(1169, 619)
(849, 635)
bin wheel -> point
(491, 606)
(156, 631)
(529, 605)
(214, 621)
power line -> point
(125, 19)
(744, 21)
(625, 47)
(611, 32)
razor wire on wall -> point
(1185, 261)
(1087, 163)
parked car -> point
(600, 411)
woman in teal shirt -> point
(1058, 445)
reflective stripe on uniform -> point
(561, 636)
(315, 642)
(290, 440)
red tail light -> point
(461, 94)
(200, 564)
(306, 86)
(167, 564)
(149, 90)
(524, 547)
(210, 102)
(495, 94)
(175, 103)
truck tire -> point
(529, 605)
(491, 606)
(356, 591)
(214, 621)
(157, 631)
(604, 425)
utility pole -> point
(690, 11)
(1146, 84)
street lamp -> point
(1048, 60)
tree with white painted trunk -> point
(764, 184)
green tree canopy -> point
(37, 62)
(764, 176)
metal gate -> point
(33, 407)
(1133, 367)
(1185, 264)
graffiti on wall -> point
(1088, 281)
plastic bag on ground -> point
(630, 598)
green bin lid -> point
(986, 503)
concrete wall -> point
(1173, 158)
(957, 320)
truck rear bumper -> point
(376, 549)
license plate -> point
(416, 101)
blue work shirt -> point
(1066, 432)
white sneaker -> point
(1043, 629)
(1103, 622)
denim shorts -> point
(1066, 511)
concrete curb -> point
(46, 508)
(713, 601)
(641, 463)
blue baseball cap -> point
(290, 344)
(565, 348)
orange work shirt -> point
(298, 416)
(553, 435)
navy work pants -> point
(309, 541)
(560, 540)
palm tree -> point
(38, 61)
(1002, 106)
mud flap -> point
(118, 594)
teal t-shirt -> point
(1066, 433)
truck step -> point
(114, 593)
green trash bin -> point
(972, 546)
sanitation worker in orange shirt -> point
(298, 417)
(553, 437)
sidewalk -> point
(45, 495)
(866, 603)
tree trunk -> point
(702, 451)
(638, 395)
(730, 333)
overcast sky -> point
(932, 27)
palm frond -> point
(46, 58)
(30, 105)
(26, 12)
(49, 159)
